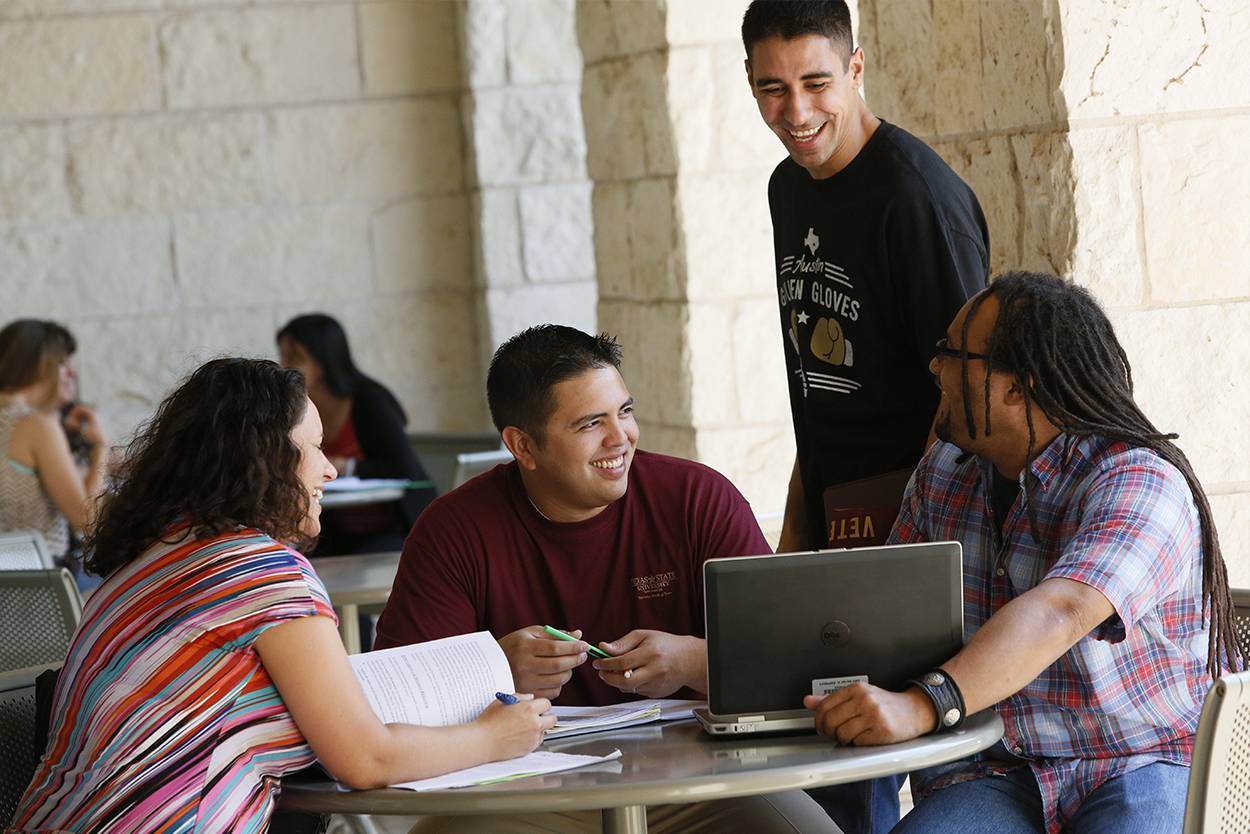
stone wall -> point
(680, 160)
(1105, 143)
(179, 177)
(533, 241)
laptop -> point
(781, 627)
(471, 464)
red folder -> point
(860, 513)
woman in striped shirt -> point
(208, 664)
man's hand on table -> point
(540, 664)
(658, 663)
(866, 714)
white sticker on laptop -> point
(823, 686)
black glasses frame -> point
(942, 348)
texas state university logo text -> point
(654, 586)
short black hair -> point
(326, 342)
(789, 19)
(526, 367)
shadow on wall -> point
(980, 83)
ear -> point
(1014, 395)
(750, 75)
(521, 445)
(855, 66)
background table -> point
(353, 581)
(660, 764)
(372, 495)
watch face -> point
(951, 718)
(934, 679)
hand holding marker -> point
(560, 635)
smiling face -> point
(581, 463)
(314, 468)
(808, 94)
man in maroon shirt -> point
(583, 531)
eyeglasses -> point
(943, 348)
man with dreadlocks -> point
(1096, 599)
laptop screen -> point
(781, 627)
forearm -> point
(1023, 638)
(407, 752)
(794, 525)
(94, 483)
(697, 659)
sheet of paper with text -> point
(436, 684)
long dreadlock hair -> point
(1057, 340)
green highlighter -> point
(560, 635)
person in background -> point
(364, 436)
(42, 486)
(208, 663)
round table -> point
(675, 762)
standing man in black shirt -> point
(878, 244)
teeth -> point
(318, 492)
(805, 134)
(613, 463)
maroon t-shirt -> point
(482, 558)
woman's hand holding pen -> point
(516, 729)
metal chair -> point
(1219, 778)
(1241, 620)
(24, 550)
(39, 610)
(18, 756)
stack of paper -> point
(534, 764)
(572, 721)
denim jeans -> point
(1149, 800)
(869, 807)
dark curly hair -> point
(217, 455)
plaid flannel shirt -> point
(1122, 520)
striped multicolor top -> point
(164, 719)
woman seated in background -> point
(42, 486)
(208, 663)
(365, 437)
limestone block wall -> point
(179, 177)
(680, 160)
(1105, 141)
(533, 229)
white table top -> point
(363, 579)
(374, 495)
(663, 763)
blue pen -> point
(505, 698)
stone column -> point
(532, 229)
(680, 161)
(1106, 143)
